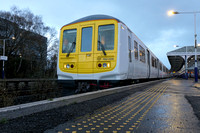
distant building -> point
(27, 54)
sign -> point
(4, 58)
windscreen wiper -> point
(72, 47)
(102, 47)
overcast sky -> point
(146, 18)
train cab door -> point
(86, 52)
(148, 65)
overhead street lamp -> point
(170, 13)
(4, 58)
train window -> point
(86, 40)
(156, 63)
(136, 50)
(129, 46)
(69, 38)
(152, 61)
(106, 37)
(160, 67)
(148, 57)
(142, 54)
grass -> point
(50, 99)
(3, 121)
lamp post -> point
(4, 58)
(170, 13)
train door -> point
(148, 64)
(130, 68)
(86, 53)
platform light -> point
(4, 47)
(176, 46)
(171, 12)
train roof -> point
(94, 17)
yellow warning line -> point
(130, 102)
(124, 107)
(143, 107)
(113, 108)
(139, 105)
(141, 118)
(136, 124)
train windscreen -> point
(106, 37)
(69, 38)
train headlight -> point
(104, 65)
(67, 66)
(108, 64)
(72, 66)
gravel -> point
(39, 122)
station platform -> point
(159, 108)
(170, 105)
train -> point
(100, 51)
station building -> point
(182, 60)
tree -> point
(28, 52)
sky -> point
(148, 19)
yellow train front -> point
(101, 50)
(88, 51)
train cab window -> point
(142, 54)
(136, 50)
(69, 41)
(86, 40)
(106, 37)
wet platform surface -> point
(161, 108)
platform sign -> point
(4, 58)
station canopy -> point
(177, 57)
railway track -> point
(21, 91)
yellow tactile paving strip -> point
(121, 117)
